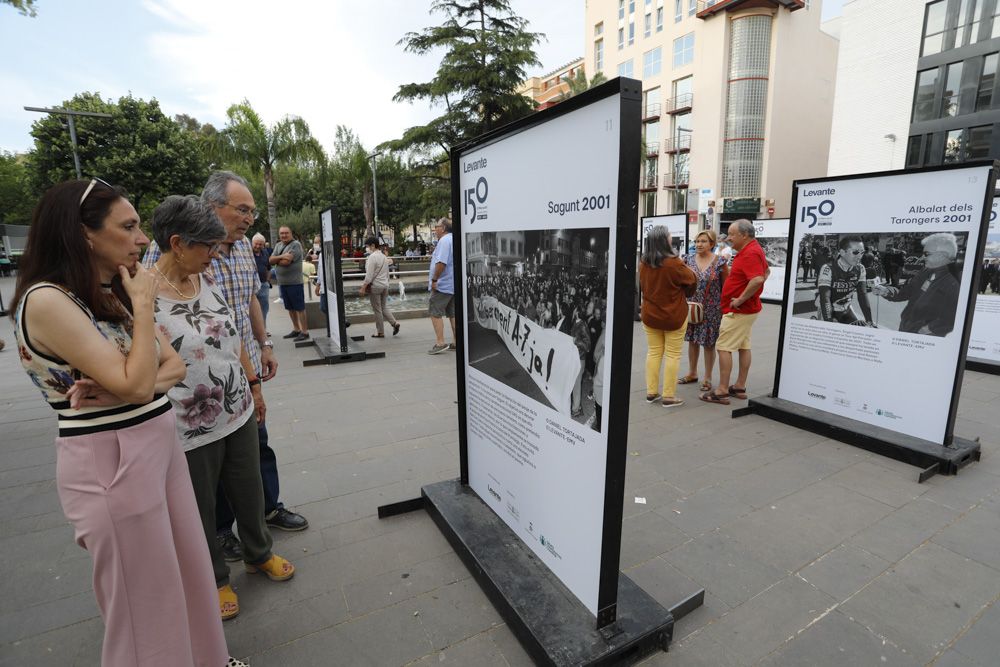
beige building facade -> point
(737, 98)
(548, 89)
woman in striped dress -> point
(86, 338)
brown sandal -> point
(687, 379)
(712, 397)
(738, 392)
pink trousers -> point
(128, 494)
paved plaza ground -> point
(812, 552)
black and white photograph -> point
(989, 277)
(902, 281)
(775, 249)
(536, 314)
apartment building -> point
(549, 88)
(956, 100)
(737, 98)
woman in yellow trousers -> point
(666, 283)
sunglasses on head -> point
(93, 182)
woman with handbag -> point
(705, 307)
(666, 283)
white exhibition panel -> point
(330, 276)
(984, 341)
(536, 467)
(676, 224)
(772, 234)
(882, 376)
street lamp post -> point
(72, 127)
(375, 191)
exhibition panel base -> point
(551, 624)
(930, 457)
(331, 353)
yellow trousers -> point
(663, 344)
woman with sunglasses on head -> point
(220, 402)
(87, 339)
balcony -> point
(652, 148)
(648, 183)
(651, 112)
(677, 179)
(680, 104)
(707, 8)
(679, 144)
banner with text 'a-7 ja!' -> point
(549, 356)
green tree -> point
(25, 7)
(487, 50)
(247, 140)
(139, 148)
(16, 200)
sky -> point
(332, 62)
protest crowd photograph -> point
(545, 291)
(907, 282)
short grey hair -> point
(446, 223)
(942, 241)
(188, 217)
(217, 184)
(258, 237)
(745, 227)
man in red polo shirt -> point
(740, 306)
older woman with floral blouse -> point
(219, 403)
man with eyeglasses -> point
(235, 271)
(287, 262)
(842, 284)
(932, 294)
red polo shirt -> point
(747, 265)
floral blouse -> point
(214, 399)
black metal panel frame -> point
(338, 277)
(621, 322)
(975, 264)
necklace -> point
(174, 287)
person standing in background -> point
(261, 255)
(441, 284)
(287, 260)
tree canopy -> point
(25, 7)
(247, 140)
(139, 148)
(487, 50)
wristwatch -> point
(267, 343)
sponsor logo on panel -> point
(474, 198)
(817, 212)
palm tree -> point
(246, 139)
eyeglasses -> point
(93, 182)
(244, 211)
(928, 253)
(212, 247)
(857, 252)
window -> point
(682, 92)
(631, 33)
(649, 203)
(621, 38)
(652, 131)
(599, 55)
(621, 10)
(651, 104)
(659, 19)
(953, 146)
(934, 27)
(649, 2)
(979, 142)
(678, 10)
(631, 6)
(682, 130)
(984, 96)
(923, 99)
(692, 7)
(626, 69)
(684, 50)
(599, 29)
(913, 151)
(972, 29)
(952, 90)
(651, 63)
(647, 25)
(995, 32)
